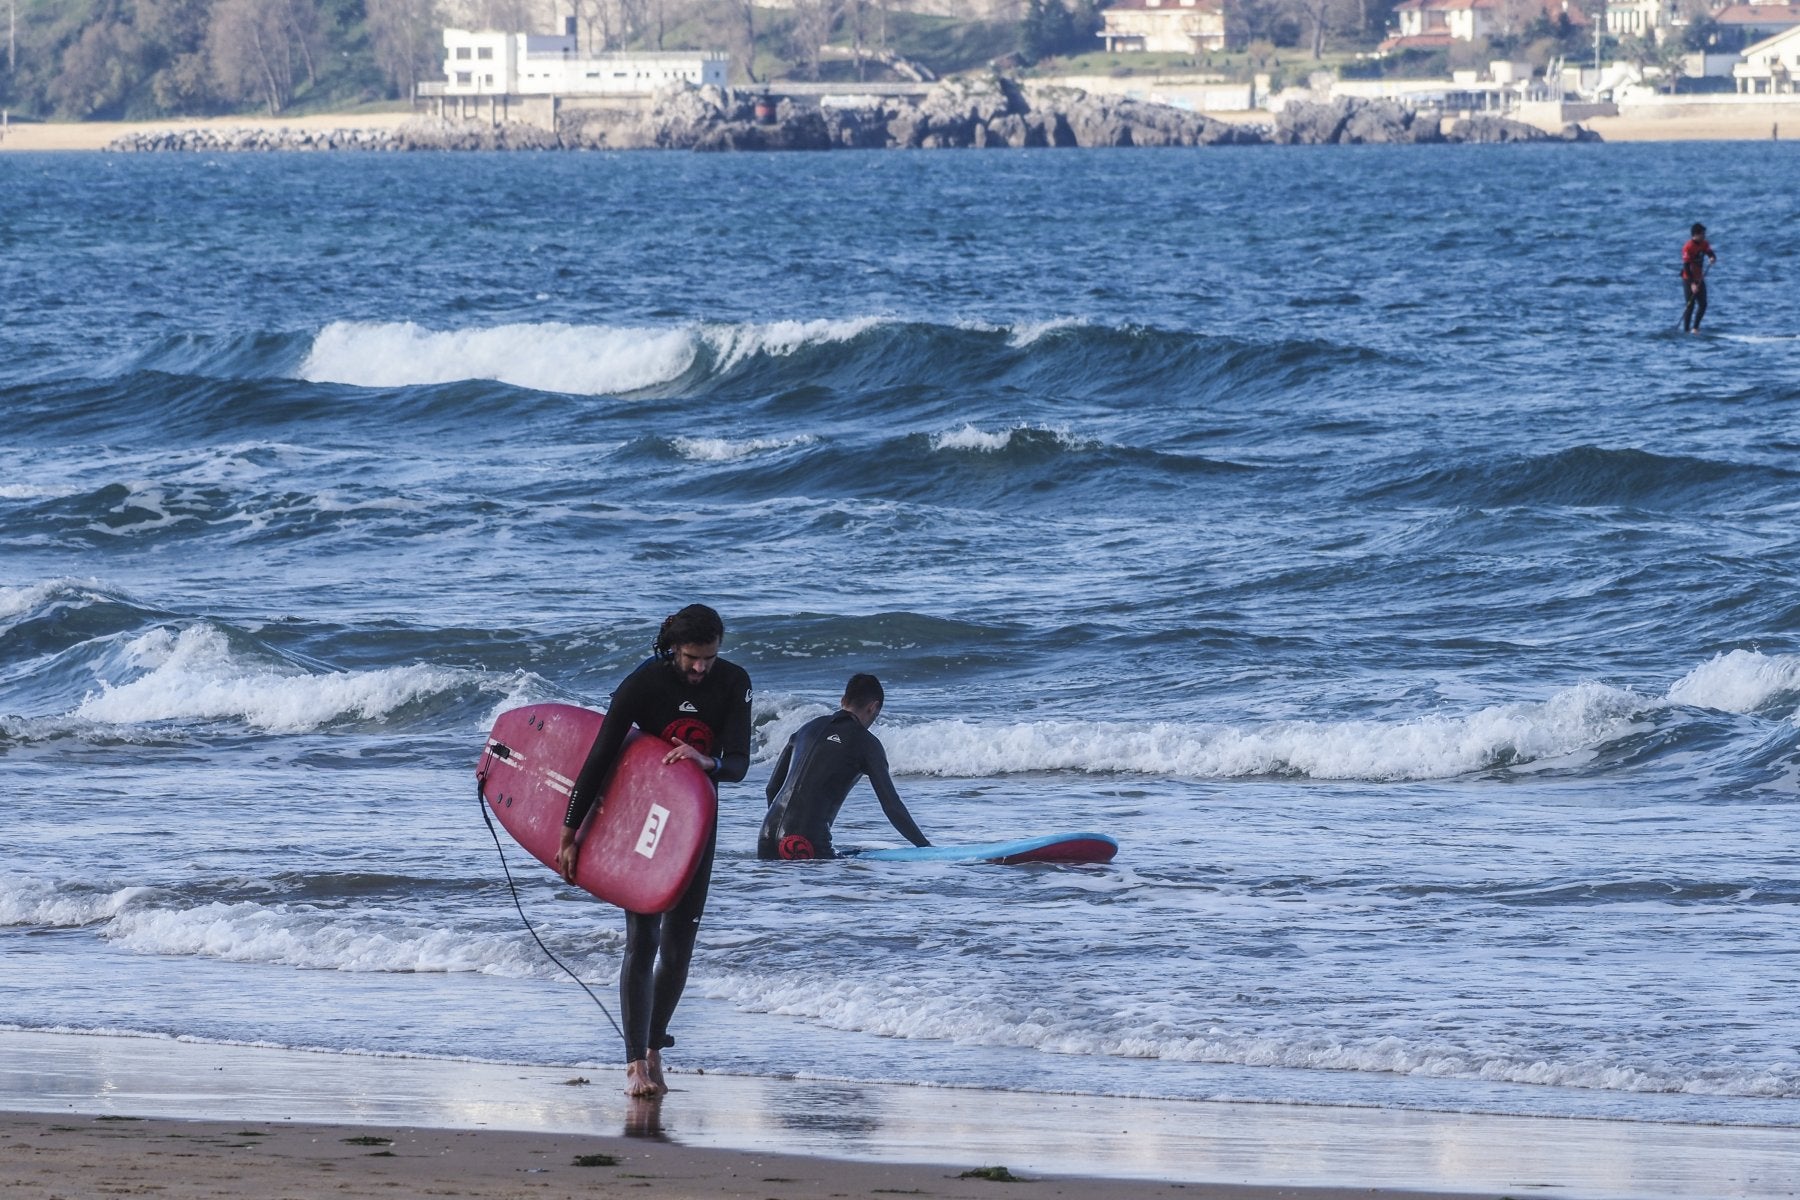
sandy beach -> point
(122, 1115)
(96, 135)
(48, 1157)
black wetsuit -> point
(714, 718)
(1693, 281)
(817, 769)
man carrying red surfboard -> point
(700, 704)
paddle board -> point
(640, 845)
(1055, 847)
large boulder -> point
(1492, 130)
(1309, 123)
(1095, 122)
(1388, 122)
(857, 128)
(976, 100)
(1350, 121)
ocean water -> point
(1347, 531)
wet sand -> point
(53, 1157)
(87, 1115)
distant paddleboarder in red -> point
(1696, 256)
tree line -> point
(134, 59)
(144, 58)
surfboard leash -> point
(514, 889)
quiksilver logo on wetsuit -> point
(652, 831)
(687, 706)
(832, 737)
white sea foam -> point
(144, 920)
(149, 506)
(1024, 335)
(34, 491)
(586, 360)
(733, 344)
(1429, 747)
(725, 450)
(970, 438)
(194, 675)
(17, 601)
(314, 939)
(1739, 682)
(26, 901)
(921, 1009)
(582, 360)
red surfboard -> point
(640, 845)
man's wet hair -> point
(863, 689)
(1698, 229)
(695, 625)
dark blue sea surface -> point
(1348, 531)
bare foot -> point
(656, 1075)
(640, 1082)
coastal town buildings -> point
(1755, 21)
(490, 63)
(1739, 23)
(1436, 24)
(1170, 26)
(530, 77)
(1771, 67)
(1642, 18)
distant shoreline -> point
(61, 136)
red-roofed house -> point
(1758, 21)
(1431, 24)
(1434, 24)
(1772, 66)
(1752, 21)
(1171, 26)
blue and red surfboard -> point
(1051, 848)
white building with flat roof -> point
(1771, 67)
(486, 62)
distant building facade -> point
(1641, 18)
(1436, 24)
(1431, 24)
(1755, 22)
(1771, 67)
(490, 63)
(1168, 26)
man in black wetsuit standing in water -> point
(816, 771)
(699, 703)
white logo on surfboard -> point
(652, 831)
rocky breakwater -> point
(990, 112)
(211, 139)
(1348, 121)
